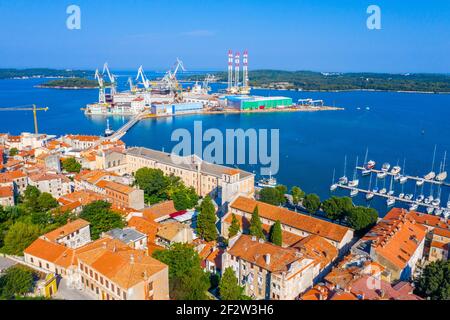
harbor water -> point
(393, 126)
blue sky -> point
(293, 35)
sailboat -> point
(383, 191)
(403, 178)
(390, 201)
(270, 182)
(391, 190)
(396, 169)
(384, 171)
(354, 192)
(344, 180)
(436, 202)
(370, 194)
(413, 207)
(333, 185)
(420, 182)
(355, 181)
(432, 174)
(448, 202)
(442, 173)
(368, 166)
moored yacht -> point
(386, 166)
(390, 201)
(354, 192)
(383, 191)
(413, 207)
(396, 170)
(420, 198)
(370, 195)
(430, 210)
(420, 182)
(403, 179)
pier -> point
(442, 183)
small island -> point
(70, 83)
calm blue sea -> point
(398, 126)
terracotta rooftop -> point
(52, 252)
(149, 227)
(254, 251)
(159, 210)
(293, 219)
(118, 262)
(66, 229)
(6, 191)
(83, 197)
(396, 238)
(115, 186)
(10, 176)
(170, 230)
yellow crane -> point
(31, 107)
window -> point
(124, 296)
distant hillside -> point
(42, 73)
(315, 81)
(71, 83)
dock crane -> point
(112, 78)
(144, 79)
(101, 85)
(31, 107)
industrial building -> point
(242, 102)
(176, 108)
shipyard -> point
(166, 96)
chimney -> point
(131, 259)
(267, 258)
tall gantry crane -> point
(101, 86)
(31, 107)
(112, 79)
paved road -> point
(6, 263)
(67, 293)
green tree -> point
(311, 203)
(256, 225)
(101, 218)
(19, 237)
(297, 194)
(71, 165)
(362, 218)
(337, 208)
(157, 187)
(184, 198)
(17, 280)
(31, 197)
(206, 220)
(272, 196)
(434, 282)
(276, 236)
(229, 288)
(234, 228)
(186, 277)
(13, 152)
(46, 202)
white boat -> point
(420, 198)
(334, 186)
(370, 195)
(270, 182)
(386, 166)
(436, 202)
(396, 170)
(420, 182)
(443, 174)
(382, 175)
(391, 190)
(401, 195)
(409, 196)
(413, 207)
(354, 192)
(344, 180)
(446, 214)
(430, 210)
(355, 181)
(366, 172)
(370, 164)
(428, 199)
(403, 179)
(397, 177)
(431, 175)
(438, 211)
(390, 202)
(391, 193)
(383, 191)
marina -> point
(415, 201)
